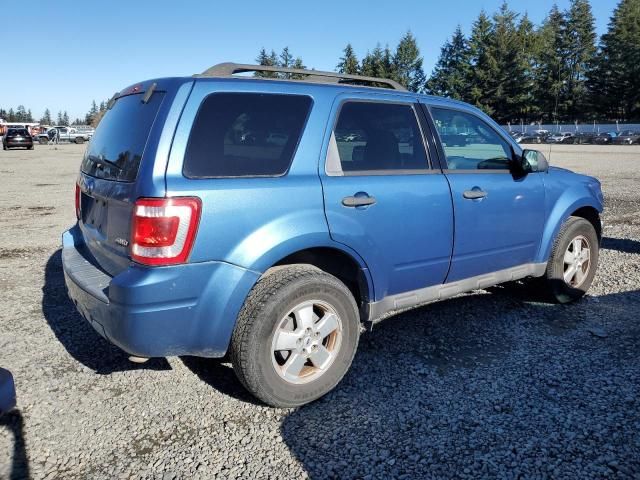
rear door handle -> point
(474, 194)
(358, 201)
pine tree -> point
(509, 84)
(21, 114)
(580, 44)
(483, 64)
(266, 59)
(348, 62)
(102, 107)
(65, 118)
(46, 118)
(59, 121)
(529, 47)
(451, 73)
(407, 64)
(615, 80)
(11, 116)
(93, 111)
(551, 72)
(374, 65)
(29, 116)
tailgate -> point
(107, 184)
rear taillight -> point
(78, 201)
(163, 229)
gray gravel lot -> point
(491, 384)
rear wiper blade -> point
(99, 161)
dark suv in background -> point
(17, 138)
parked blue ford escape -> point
(270, 217)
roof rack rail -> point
(228, 69)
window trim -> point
(332, 158)
(293, 154)
(443, 154)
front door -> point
(382, 199)
(499, 217)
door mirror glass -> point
(533, 161)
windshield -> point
(116, 148)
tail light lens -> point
(164, 229)
(78, 193)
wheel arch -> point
(344, 264)
(586, 208)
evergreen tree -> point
(348, 62)
(59, 120)
(551, 73)
(529, 48)
(483, 64)
(29, 116)
(615, 80)
(297, 63)
(11, 115)
(509, 85)
(93, 111)
(102, 107)
(65, 118)
(407, 64)
(266, 59)
(46, 118)
(451, 73)
(580, 44)
(21, 114)
(374, 64)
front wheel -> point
(573, 261)
(296, 336)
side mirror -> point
(533, 161)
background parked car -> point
(605, 138)
(559, 137)
(535, 137)
(17, 138)
(65, 134)
(628, 137)
(581, 138)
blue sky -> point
(79, 51)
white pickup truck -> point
(65, 134)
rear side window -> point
(245, 135)
(116, 148)
(379, 137)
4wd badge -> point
(122, 242)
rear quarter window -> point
(245, 135)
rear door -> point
(108, 176)
(382, 198)
(499, 217)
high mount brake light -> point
(78, 193)
(163, 229)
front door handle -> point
(474, 194)
(358, 201)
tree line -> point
(514, 70)
(21, 114)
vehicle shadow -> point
(624, 245)
(218, 373)
(436, 390)
(14, 422)
(82, 342)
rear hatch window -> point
(116, 148)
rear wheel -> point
(296, 336)
(79, 140)
(43, 141)
(573, 261)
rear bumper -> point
(186, 309)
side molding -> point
(408, 300)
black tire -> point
(277, 293)
(42, 141)
(553, 281)
(79, 140)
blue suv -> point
(271, 218)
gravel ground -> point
(490, 384)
